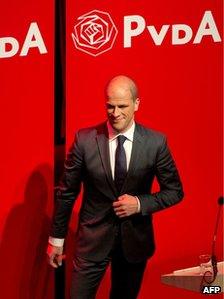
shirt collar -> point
(129, 134)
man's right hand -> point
(55, 255)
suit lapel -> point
(103, 146)
(135, 155)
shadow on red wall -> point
(25, 273)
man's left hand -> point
(125, 205)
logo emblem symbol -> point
(95, 33)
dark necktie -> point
(120, 171)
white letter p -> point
(128, 32)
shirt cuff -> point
(56, 242)
(139, 205)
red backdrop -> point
(181, 95)
(26, 151)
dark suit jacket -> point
(88, 163)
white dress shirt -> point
(129, 134)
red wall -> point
(181, 95)
(181, 92)
(26, 152)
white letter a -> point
(209, 22)
(33, 40)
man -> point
(116, 162)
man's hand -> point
(55, 255)
(125, 205)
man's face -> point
(120, 108)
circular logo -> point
(95, 33)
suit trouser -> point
(126, 277)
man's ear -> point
(137, 102)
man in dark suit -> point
(116, 162)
